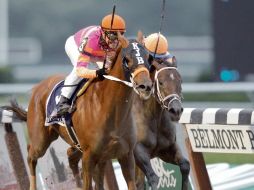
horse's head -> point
(135, 64)
(168, 89)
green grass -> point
(211, 158)
(225, 97)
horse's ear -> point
(174, 61)
(155, 64)
(171, 62)
(140, 37)
(124, 41)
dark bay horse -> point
(154, 119)
(102, 120)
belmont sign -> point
(221, 138)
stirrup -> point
(63, 112)
(59, 113)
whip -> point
(162, 18)
(111, 25)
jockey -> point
(161, 53)
(87, 50)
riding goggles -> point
(112, 35)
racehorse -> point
(102, 120)
(154, 119)
(155, 124)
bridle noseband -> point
(170, 97)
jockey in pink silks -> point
(87, 50)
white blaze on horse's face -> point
(172, 76)
(139, 58)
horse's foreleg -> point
(99, 176)
(174, 156)
(139, 178)
(142, 159)
(127, 163)
(74, 156)
(185, 170)
(88, 166)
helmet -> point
(118, 23)
(151, 42)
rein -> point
(133, 75)
(110, 77)
(162, 99)
(134, 71)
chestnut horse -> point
(154, 119)
(102, 120)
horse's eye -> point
(160, 83)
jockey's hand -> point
(100, 73)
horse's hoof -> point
(154, 182)
(154, 187)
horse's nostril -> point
(172, 110)
(176, 111)
(142, 86)
(148, 88)
(145, 87)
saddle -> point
(54, 97)
(66, 120)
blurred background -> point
(213, 41)
(34, 33)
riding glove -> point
(100, 73)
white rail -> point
(187, 87)
(218, 87)
(15, 88)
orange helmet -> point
(118, 23)
(151, 42)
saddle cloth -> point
(54, 98)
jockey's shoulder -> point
(90, 31)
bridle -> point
(133, 71)
(170, 97)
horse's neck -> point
(114, 93)
(159, 118)
(150, 108)
(117, 68)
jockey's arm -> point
(85, 73)
(82, 69)
(90, 58)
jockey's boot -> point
(62, 107)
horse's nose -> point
(176, 109)
(145, 86)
